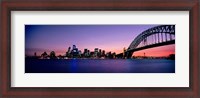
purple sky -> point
(40, 38)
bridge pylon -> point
(128, 55)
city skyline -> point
(111, 38)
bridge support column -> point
(128, 55)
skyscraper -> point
(96, 52)
(100, 53)
(75, 52)
(103, 53)
(85, 53)
(68, 52)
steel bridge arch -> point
(167, 29)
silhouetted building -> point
(68, 53)
(103, 53)
(113, 55)
(60, 57)
(79, 53)
(91, 54)
(75, 52)
(74, 47)
(124, 51)
(44, 55)
(52, 55)
(96, 52)
(100, 53)
(86, 53)
(108, 55)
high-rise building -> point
(91, 54)
(103, 53)
(79, 53)
(100, 53)
(88, 53)
(69, 48)
(124, 51)
(75, 52)
(74, 47)
(85, 53)
(68, 52)
(96, 52)
(52, 55)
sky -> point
(40, 38)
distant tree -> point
(171, 56)
(52, 55)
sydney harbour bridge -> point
(153, 37)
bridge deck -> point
(147, 47)
(152, 46)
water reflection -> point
(100, 66)
(73, 66)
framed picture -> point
(122, 48)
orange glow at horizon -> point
(157, 52)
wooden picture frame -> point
(193, 91)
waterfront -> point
(99, 66)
